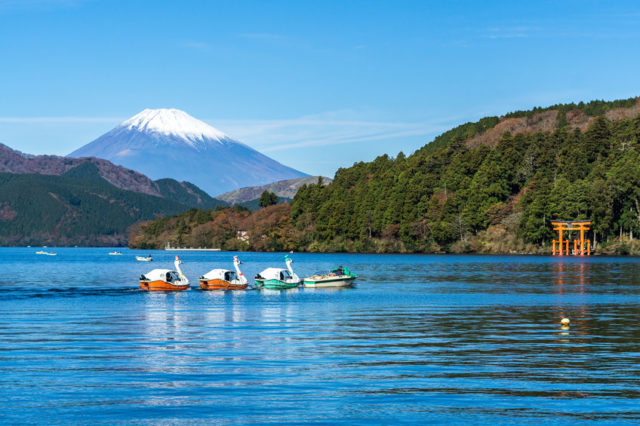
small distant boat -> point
(338, 277)
(223, 279)
(165, 279)
(147, 258)
(115, 253)
(278, 279)
(47, 253)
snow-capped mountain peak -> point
(173, 122)
(169, 143)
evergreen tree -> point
(268, 199)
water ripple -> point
(420, 339)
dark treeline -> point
(72, 210)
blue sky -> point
(316, 85)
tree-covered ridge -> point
(187, 193)
(12, 161)
(572, 114)
(79, 208)
(591, 109)
(456, 197)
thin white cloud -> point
(321, 130)
(59, 120)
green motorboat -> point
(338, 277)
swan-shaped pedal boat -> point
(223, 279)
(165, 279)
(277, 278)
(338, 277)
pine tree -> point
(268, 199)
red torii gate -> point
(581, 247)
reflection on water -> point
(419, 339)
(572, 277)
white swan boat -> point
(224, 279)
(165, 279)
(277, 278)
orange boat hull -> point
(161, 286)
(220, 285)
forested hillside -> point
(490, 186)
(79, 208)
(231, 228)
(187, 193)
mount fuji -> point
(169, 143)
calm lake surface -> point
(429, 339)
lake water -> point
(429, 339)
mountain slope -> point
(489, 130)
(187, 194)
(12, 161)
(168, 143)
(79, 208)
(283, 189)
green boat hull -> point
(276, 284)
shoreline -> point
(599, 255)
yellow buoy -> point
(565, 321)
